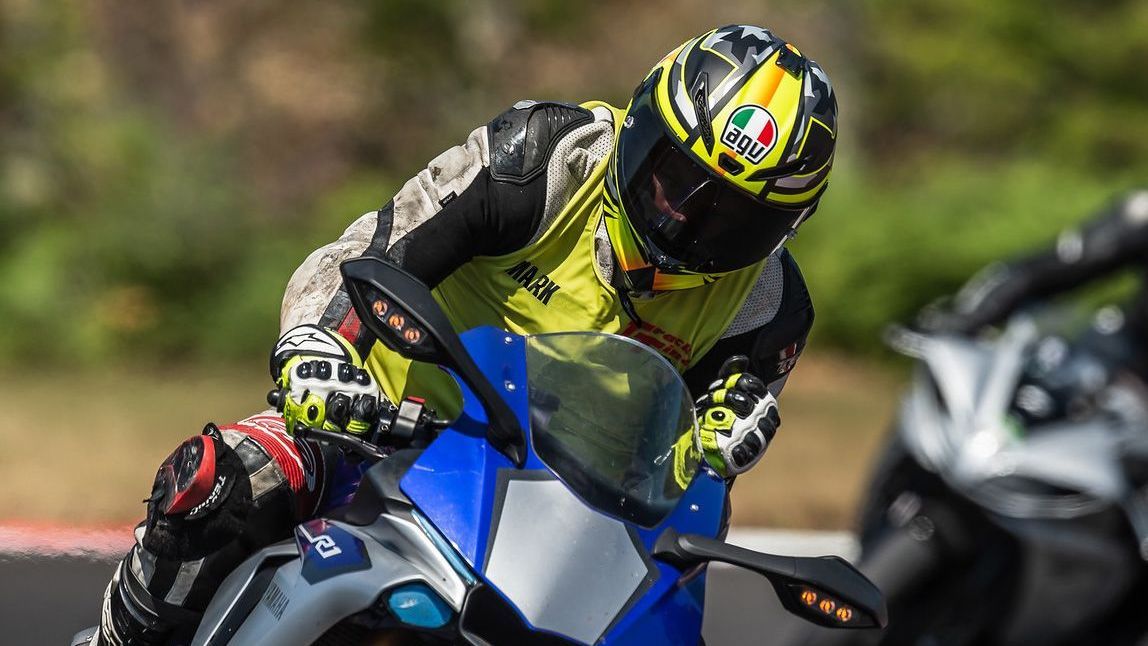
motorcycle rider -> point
(1114, 239)
(665, 222)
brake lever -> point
(342, 440)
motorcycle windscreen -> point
(565, 539)
(614, 423)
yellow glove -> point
(322, 382)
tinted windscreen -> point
(613, 419)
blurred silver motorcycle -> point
(1010, 504)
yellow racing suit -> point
(509, 230)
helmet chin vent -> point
(730, 165)
(776, 172)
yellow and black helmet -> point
(725, 149)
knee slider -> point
(189, 482)
(200, 498)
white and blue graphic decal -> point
(329, 550)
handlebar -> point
(402, 428)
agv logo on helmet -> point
(751, 132)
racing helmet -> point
(725, 149)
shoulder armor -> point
(523, 138)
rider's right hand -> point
(322, 383)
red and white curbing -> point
(32, 539)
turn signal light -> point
(393, 316)
(818, 601)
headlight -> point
(417, 605)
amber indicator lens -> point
(412, 335)
(826, 606)
(380, 308)
(396, 321)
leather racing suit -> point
(508, 229)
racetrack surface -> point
(45, 599)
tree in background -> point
(165, 165)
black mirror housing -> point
(401, 312)
(825, 590)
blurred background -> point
(164, 167)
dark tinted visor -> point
(690, 219)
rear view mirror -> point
(403, 315)
(398, 309)
(825, 590)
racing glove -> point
(321, 382)
(737, 418)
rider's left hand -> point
(322, 382)
(737, 418)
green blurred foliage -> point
(1061, 79)
(874, 254)
(165, 166)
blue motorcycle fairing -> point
(454, 484)
(454, 480)
(342, 483)
(669, 617)
(668, 611)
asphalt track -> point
(45, 599)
